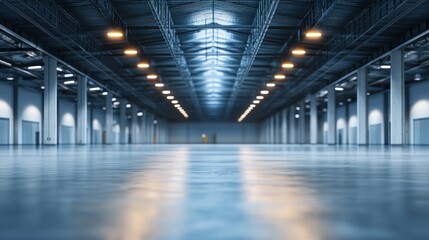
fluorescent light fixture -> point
(299, 51)
(114, 99)
(279, 76)
(166, 92)
(9, 78)
(176, 105)
(115, 34)
(130, 51)
(349, 99)
(259, 97)
(174, 102)
(417, 77)
(170, 97)
(67, 75)
(139, 114)
(69, 82)
(105, 93)
(159, 84)
(5, 63)
(116, 103)
(339, 89)
(385, 66)
(152, 76)
(34, 67)
(42, 87)
(288, 65)
(93, 89)
(128, 105)
(298, 108)
(256, 101)
(59, 69)
(353, 78)
(271, 84)
(296, 115)
(341, 103)
(264, 92)
(252, 105)
(143, 65)
(313, 34)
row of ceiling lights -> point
(286, 65)
(115, 34)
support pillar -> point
(16, 119)
(123, 122)
(397, 98)
(134, 126)
(109, 119)
(332, 110)
(313, 119)
(284, 126)
(82, 110)
(362, 106)
(302, 122)
(292, 128)
(50, 102)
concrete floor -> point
(214, 192)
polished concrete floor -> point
(214, 192)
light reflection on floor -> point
(214, 192)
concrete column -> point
(109, 118)
(362, 106)
(302, 121)
(272, 129)
(284, 126)
(50, 103)
(397, 98)
(313, 119)
(82, 110)
(279, 127)
(134, 126)
(292, 128)
(16, 118)
(123, 122)
(143, 129)
(332, 116)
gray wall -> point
(226, 132)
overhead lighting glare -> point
(299, 52)
(152, 76)
(166, 92)
(264, 92)
(9, 78)
(385, 66)
(104, 93)
(115, 34)
(69, 82)
(174, 102)
(170, 97)
(159, 84)
(271, 84)
(114, 99)
(313, 34)
(288, 65)
(339, 89)
(5, 63)
(59, 69)
(139, 114)
(34, 67)
(130, 51)
(42, 87)
(260, 97)
(67, 75)
(116, 103)
(176, 105)
(256, 101)
(128, 105)
(279, 76)
(143, 65)
(252, 105)
(93, 89)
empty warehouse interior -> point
(214, 119)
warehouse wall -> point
(67, 122)
(419, 113)
(6, 113)
(225, 132)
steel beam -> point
(264, 15)
(162, 15)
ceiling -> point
(214, 56)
